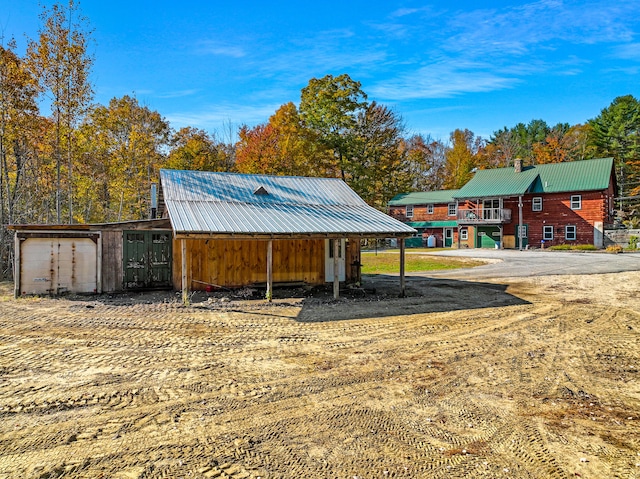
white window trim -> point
(464, 234)
(575, 202)
(449, 206)
(546, 229)
(429, 209)
(574, 234)
(408, 211)
(536, 203)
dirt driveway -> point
(526, 378)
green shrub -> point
(633, 242)
(576, 247)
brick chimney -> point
(517, 165)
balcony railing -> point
(484, 215)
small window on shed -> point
(409, 211)
(429, 209)
(570, 232)
(261, 191)
(547, 233)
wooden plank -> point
(336, 269)
(269, 270)
(402, 279)
(185, 286)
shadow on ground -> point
(379, 298)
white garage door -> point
(58, 265)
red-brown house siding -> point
(557, 212)
(440, 213)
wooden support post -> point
(520, 228)
(402, 281)
(336, 268)
(185, 285)
(269, 295)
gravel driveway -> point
(513, 263)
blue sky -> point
(440, 65)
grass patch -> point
(389, 263)
(573, 247)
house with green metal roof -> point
(533, 206)
(431, 213)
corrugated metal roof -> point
(498, 182)
(424, 197)
(227, 203)
(586, 175)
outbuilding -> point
(215, 230)
(234, 229)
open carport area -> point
(527, 377)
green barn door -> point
(147, 259)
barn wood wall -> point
(235, 263)
(112, 268)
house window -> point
(452, 209)
(570, 233)
(464, 234)
(429, 209)
(576, 202)
(547, 233)
(409, 211)
(536, 204)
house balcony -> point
(484, 216)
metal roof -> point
(433, 224)
(424, 197)
(586, 175)
(226, 203)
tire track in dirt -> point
(159, 390)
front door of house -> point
(328, 260)
(523, 234)
(448, 237)
(147, 259)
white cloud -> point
(630, 51)
(443, 80)
(211, 47)
(178, 93)
(214, 117)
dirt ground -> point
(521, 378)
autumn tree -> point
(376, 170)
(59, 58)
(283, 146)
(330, 106)
(18, 119)
(461, 158)
(616, 133)
(424, 160)
(195, 149)
(124, 147)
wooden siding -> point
(112, 272)
(235, 263)
(440, 213)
